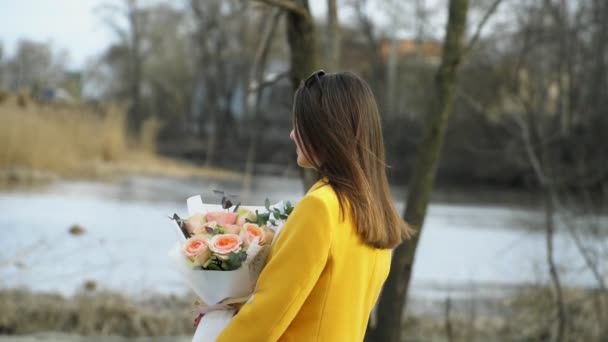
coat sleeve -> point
(299, 256)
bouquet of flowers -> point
(222, 252)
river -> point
(472, 243)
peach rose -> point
(250, 232)
(222, 217)
(196, 249)
(244, 215)
(224, 244)
(203, 228)
(268, 235)
(232, 229)
(194, 222)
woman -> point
(329, 263)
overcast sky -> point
(72, 25)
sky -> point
(66, 24)
(73, 25)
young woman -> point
(329, 263)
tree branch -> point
(482, 23)
(286, 5)
(270, 82)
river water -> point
(465, 244)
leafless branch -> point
(480, 26)
(286, 5)
(264, 46)
(270, 82)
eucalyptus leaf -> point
(234, 258)
(267, 204)
(289, 209)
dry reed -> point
(60, 139)
(24, 312)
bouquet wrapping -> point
(221, 253)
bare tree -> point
(391, 304)
(130, 41)
(333, 43)
(304, 51)
(218, 68)
(268, 23)
(34, 65)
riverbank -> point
(104, 316)
(44, 143)
(63, 337)
(134, 165)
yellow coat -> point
(320, 283)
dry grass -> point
(59, 139)
(77, 141)
(23, 312)
(148, 134)
(529, 314)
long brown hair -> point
(337, 123)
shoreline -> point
(16, 178)
(138, 165)
(52, 336)
(94, 315)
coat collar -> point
(318, 184)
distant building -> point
(428, 51)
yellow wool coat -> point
(320, 283)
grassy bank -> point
(46, 142)
(23, 312)
(526, 316)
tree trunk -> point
(391, 79)
(393, 300)
(135, 65)
(333, 37)
(304, 59)
(557, 287)
(270, 22)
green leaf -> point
(267, 204)
(263, 218)
(288, 208)
(213, 267)
(236, 208)
(234, 258)
(284, 217)
(273, 222)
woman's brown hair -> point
(337, 123)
